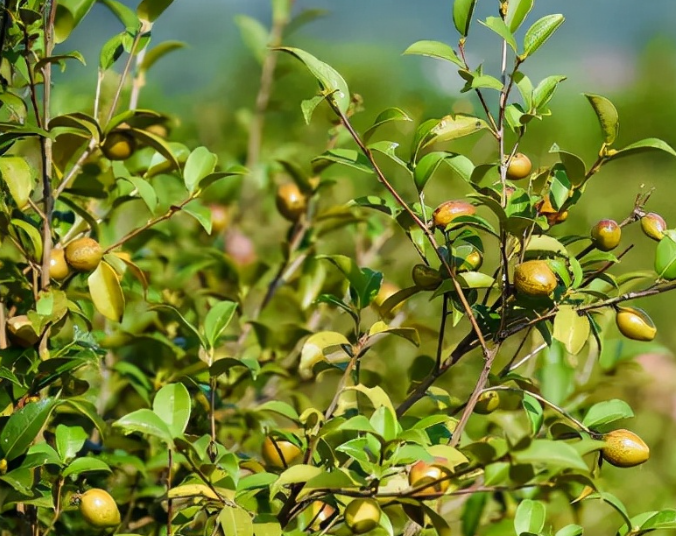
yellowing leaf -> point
(106, 292)
(313, 351)
(19, 176)
(571, 329)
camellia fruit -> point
(426, 473)
(386, 290)
(99, 509)
(606, 235)
(280, 453)
(487, 403)
(58, 267)
(320, 512)
(534, 278)
(450, 210)
(426, 277)
(362, 515)
(653, 226)
(290, 201)
(519, 167)
(118, 146)
(624, 449)
(472, 262)
(84, 254)
(635, 324)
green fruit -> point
(99, 509)
(519, 167)
(58, 267)
(118, 146)
(634, 323)
(653, 225)
(606, 235)
(84, 254)
(534, 279)
(362, 515)
(624, 449)
(449, 210)
(425, 277)
(280, 453)
(290, 201)
(488, 402)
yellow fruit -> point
(84, 254)
(99, 509)
(280, 453)
(634, 323)
(471, 262)
(386, 290)
(3, 466)
(624, 449)
(158, 130)
(449, 210)
(488, 402)
(519, 167)
(58, 267)
(320, 512)
(362, 515)
(118, 146)
(534, 278)
(426, 277)
(606, 235)
(425, 473)
(290, 201)
(653, 226)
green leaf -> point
(435, 49)
(497, 25)
(23, 427)
(544, 91)
(451, 128)
(570, 530)
(235, 522)
(530, 517)
(539, 32)
(149, 10)
(69, 441)
(376, 395)
(364, 282)
(534, 412)
(106, 292)
(85, 465)
(662, 520)
(146, 422)
(613, 501)
(145, 191)
(384, 117)
(161, 50)
(517, 10)
(607, 412)
(201, 213)
(347, 157)
(200, 163)
(172, 405)
(294, 475)
(384, 422)
(665, 258)
(571, 329)
(254, 35)
(124, 14)
(281, 408)
(332, 83)
(575, 166)
(410, 334)
(111, 51)
(607, 116)
(462, 15)
(472, 513)
(20, 178)
(33, 234)
(429, 163)
(218, 318)
(643, 146)
(475, 280)
(160, 145)
(69, 13)
(551, 453)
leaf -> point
(551, 453)
(544, 91)
(85, 465)
(643, 146)
(571, 329)
(106, 292)
(69, 13)
(111, 51)
(124, 14)
(497, 25)
(410, 334)
(607, 116)
(281, 408)
(384, 117)
(570, 530)
(613, 501)
(530, 517)
(540, 31)
(385, 423)
(665, 258)
(218, 318)
(157, 143)
(607, 412)
(146, 422)
(435, 49)
(200, 163)
(662, 520)
(472, 513)
(534, 412)
(69, 441)
(376, 395)
(517, 10)
(451, 128)
(19, 176)
(33, 234)
(347, 157)
(149, 10)
(429, 163)
(254, 35)
(145, 191)
(235, 522)
(462, 15)
(172, 405)
(331, 82)
(293, 475)
(201, 213)
(23, 427)
(161, 50)
(313, 351)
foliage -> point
(148, 350)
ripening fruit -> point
(488, 402)
(84, 254)
(425, 473)
(290, 201)
(606, 235)
(519, 167)
(99, 509)
(280, 453)
(58, 267)
(362, 515)
(449, 210)
(472, 262)
(653, 226)
(426, 277)
(219, 218)
(534, 278)
(3, 466)
(118, 146)
(158, 129)
(624, 449)
(319, 513)
(634, 323)
(386, 290)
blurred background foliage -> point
(621, 49)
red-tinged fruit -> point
(653, 226)
(445, 213)
(606, 235)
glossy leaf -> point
(386, 116)
(69, 441)
(453, 127)
(106, 292)
(146, 422)
(125, 15)
(462, 15)
(534, 412)
(540, 31)
(172, 405)
(85, 465)
(312, 351)
(497, 25)
(517, 10)
(201, 213)
(200, 163)
(69, 14)
(530, 517)
(607, 412)
(607, 115)
(347, 157)
(235, 521)
(552, 453)
(22, 427)
(217, 320)
(19, 176)
(643, 146)
(429, 163)
(571, 329)
(435, 49)
(149, 10)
